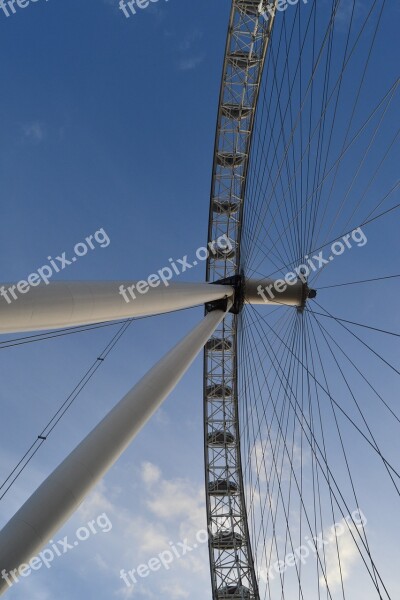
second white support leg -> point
(62, 492)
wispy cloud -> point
(150, 473)
(165, 511)
(175, 591)
(33, 132)
(348, 552)
(190, 63)
(190, 39)
(189, 47)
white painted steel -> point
(61, 493)
(68, 304)
(275, 291)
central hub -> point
(291, 291)
(237, 283)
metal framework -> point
(83, 303)
(232, 567)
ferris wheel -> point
(300, 410)
(299, 170)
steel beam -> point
(70, 304)
(62, 492)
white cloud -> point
(262, 459)
(150, 537)
(175, 591)
(34, 132)
(188, 46)
(176, 499)
(147, 516)
(163, 513)
(190, 40)
(348, 552)
(150, 473)
(190, 63)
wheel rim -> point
(241, 204)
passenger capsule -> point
(224, 254)
(221, 438)
(225, 207)
(218, 391)
(222, 487)
(249, 7)
(242, 60)
(236, 111)
(226, 540)
(218, 345)
(230, 159)
(234, 592)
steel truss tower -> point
(232, 568)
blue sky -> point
(109, 122)
(95, 134)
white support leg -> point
(68, 304)
(61, 493)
